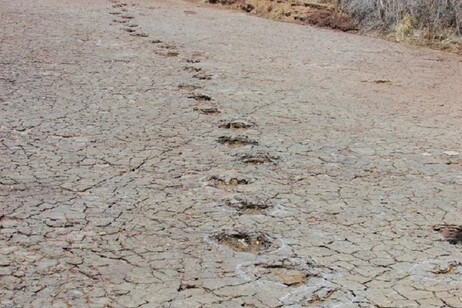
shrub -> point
(431, 17)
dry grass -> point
(427, 20)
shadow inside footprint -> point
(236, 141)
(235, 124)
(192, 69)
(139, 34)
(227, 183)
(167, 54)
(250, 205)
(203, 76)
(200, 97)
(207, 110)
(188, 87)
(258, 158)
(451, 233)
(245, 242)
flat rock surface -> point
(124, 128)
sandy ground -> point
(164, 154)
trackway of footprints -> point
(291, 272)
(128, 24)
(275, 262)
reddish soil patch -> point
(301, 12)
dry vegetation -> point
(435, 23)
(430, 21)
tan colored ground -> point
(166, 154)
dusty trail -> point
(164, 154)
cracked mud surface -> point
(114, 181)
